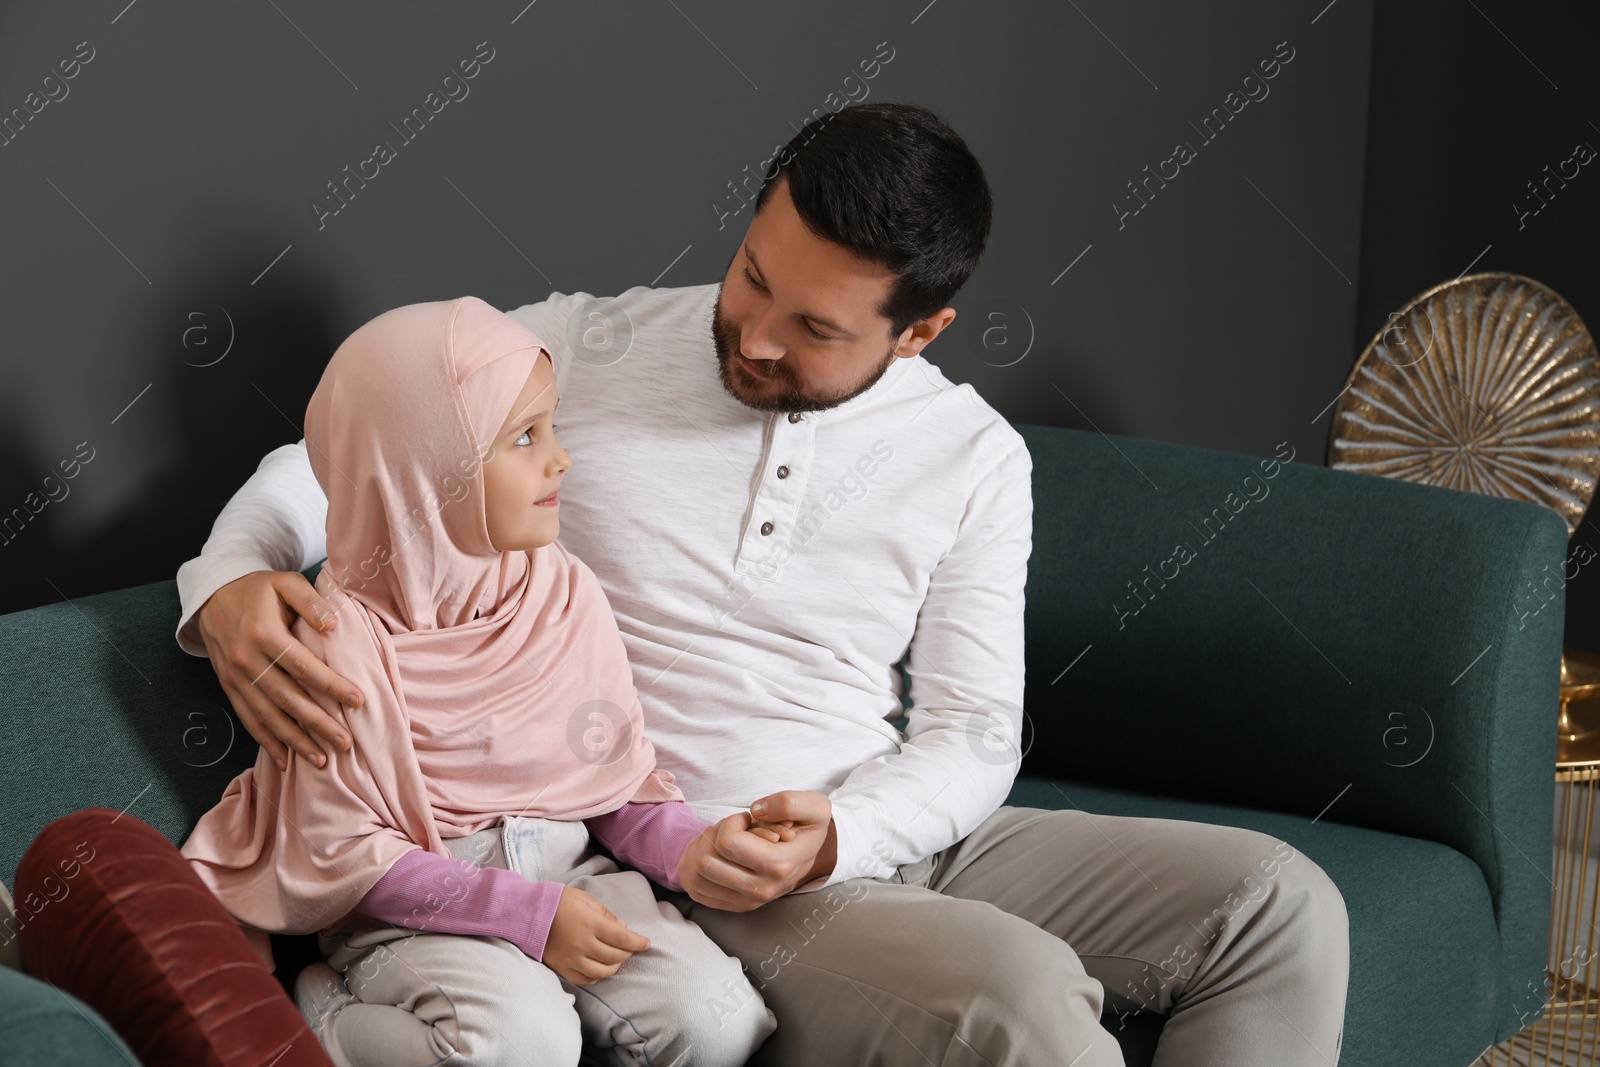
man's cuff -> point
(201, 577)
(852, 859)
(819, 882)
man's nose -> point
(758, 342)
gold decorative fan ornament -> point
(1489, 384)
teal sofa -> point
(1345, 662)
(44, 1025)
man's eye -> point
(751, 279)
(818, 336)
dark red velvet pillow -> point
(111, 912)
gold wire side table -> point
(1568, 1033)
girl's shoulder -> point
(581, 580)
(561, 555)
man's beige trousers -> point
(1004, 949)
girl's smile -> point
(526, 459)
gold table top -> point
(1585, 751)
(1578, 735)
(1580, 674)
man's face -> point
(795, 326)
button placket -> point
(775, 507)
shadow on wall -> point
(236, 364)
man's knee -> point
(1034, 995)
(1318, 912)
(1294, 894)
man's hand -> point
(586, 942)
(265, 671)
(735, 866)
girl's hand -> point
(774, 831)
(728, 867)
(587, 942)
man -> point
(800, 523)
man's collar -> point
(880, 388)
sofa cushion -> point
(1417, 909)
(110, 911)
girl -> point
(446, 858)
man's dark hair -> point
(896, 186)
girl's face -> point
(524, 466)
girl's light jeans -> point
(417, 998)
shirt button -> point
(795, 416)
(766, 528)
(783, 472)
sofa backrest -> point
(1268, 671)
(101, 707)
(1318, 621)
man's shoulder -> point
(956, 411)
(561, 308)
(602, 328)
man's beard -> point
(789, 395)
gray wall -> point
(1458, 128)
(164, 208)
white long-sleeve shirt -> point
(766, 657)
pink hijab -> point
(495, 683)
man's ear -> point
(920, 334)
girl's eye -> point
(526, 436)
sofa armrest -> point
(1375, 652)
(41, 1024)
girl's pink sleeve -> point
(425, 891)
(650, 838)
